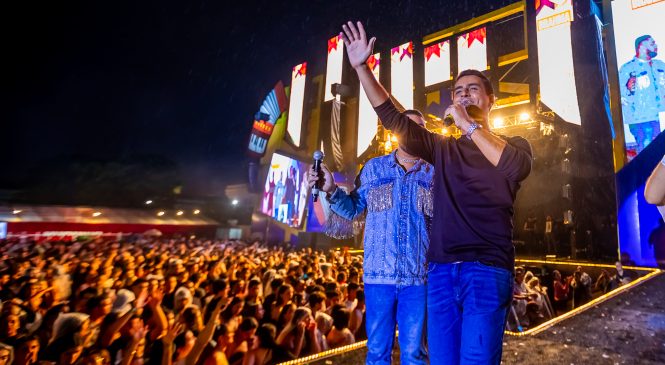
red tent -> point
(58, 222)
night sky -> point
(178, 79)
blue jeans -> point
(467, 307)
(388, 305)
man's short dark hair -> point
(248, 324)
(316, 298)
(486, 82)
(639, 40)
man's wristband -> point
(472, 128)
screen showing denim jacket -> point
(642, 85)
(397, 209)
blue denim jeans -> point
(467, 307)
(390, 305)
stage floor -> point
(626, 329)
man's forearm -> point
(375, 92)
(654, 192)
(489, 144)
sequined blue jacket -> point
(397, 208)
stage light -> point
(524, 117)
(180, 212)
(16, 211)
(148, 202)
(161, 213)
(96, 214)
(196, 211)
(393, 138)
(498, 122)
(444, 130)
(235, 202)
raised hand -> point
(328, 184)
(357, 46)
(173, 332)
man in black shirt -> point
(471, 256)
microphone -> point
(471, 109)
(318, 159)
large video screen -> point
(285, 191)
(638, 31)
(319, 211)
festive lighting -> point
(498, 122)
(196, 211)
(161, 213)
(326, 354)
(96, 214)
(16, 211)
(180, 212)
(148, 202)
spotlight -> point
(16, 211)
(196, 211)
(498, 122)
(148, 202)
(160, 214)
(96, 214)
(235, 202)
(524, 117)
(180, 212)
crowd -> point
(535, 303)
(169, 301)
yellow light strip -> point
(512, 101)
(588, 264)
(586, 306)
(489, 17)
(653, 272)
(520, 55)
(328, 353)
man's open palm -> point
(357, 46)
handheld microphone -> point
(318, 159)
(471, 109)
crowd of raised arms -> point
(175, 301)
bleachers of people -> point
(174, 301)
(535, 303)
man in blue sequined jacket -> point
(393, 196)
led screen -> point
(555, 59)
(285, 190)
(638, 31)
(367, 120)
(334, 65)
(437, 63)
(472, 50)
(296, 101)
(401, 74)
